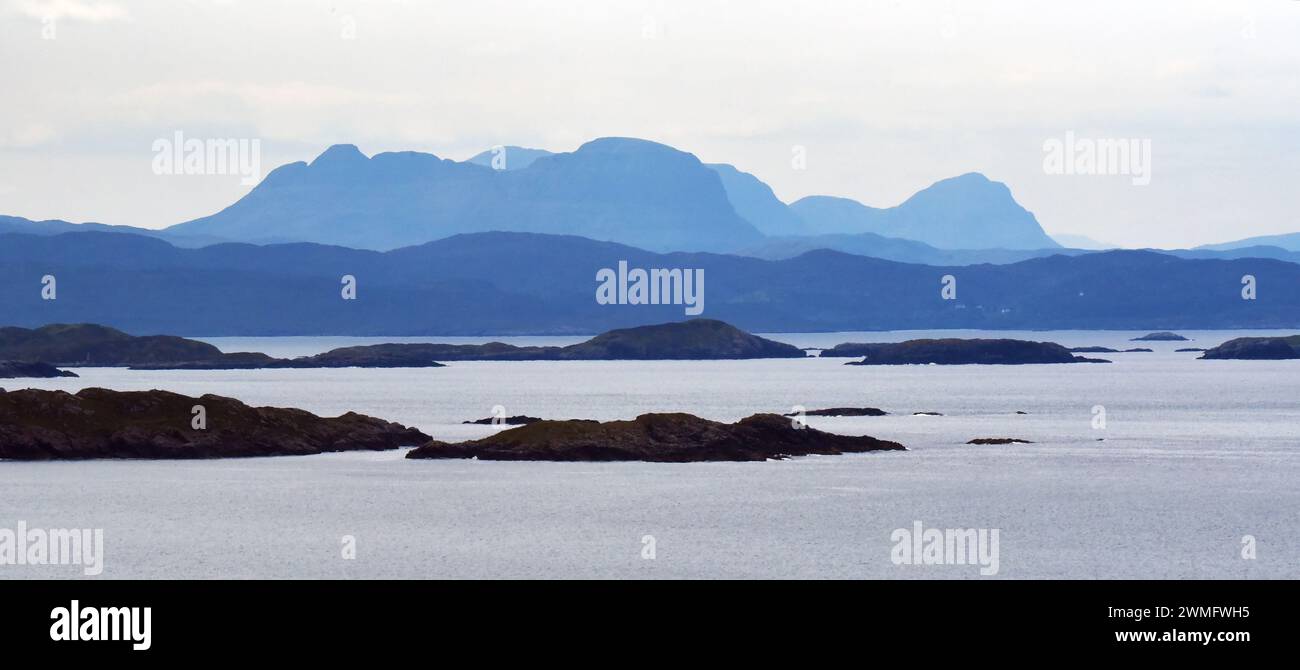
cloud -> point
(72, 10)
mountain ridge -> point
(527, 283)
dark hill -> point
(527, 284)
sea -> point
(1157, 465)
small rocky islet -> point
(954, 351)
(36, 370)
(841, 411)
(1162, 336)
(658, 438)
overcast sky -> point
(886, 97)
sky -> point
(871, 100)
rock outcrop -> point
(843, 411)
(20, 369)
(99, 423)
(953, 351)
(1256, 348)
(666, 438)
(1162, 336)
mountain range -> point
(632, 191)
(624, 190)
(527, 283)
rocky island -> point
(1256, 348)
(87, 345)
(1162, 336)
(953, 351)
(99, 423)
(662, 438)
(842, 411)
(37, 370)
(696, 339)
(92, 345)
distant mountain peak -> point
(615, 143)
(970, 184)
(339, 154)
(968, 177)
(969, 211)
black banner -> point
(338, 619)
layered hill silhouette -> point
(521, 283)
(633, 191)
(624, 190)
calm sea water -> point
(1194, 456)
